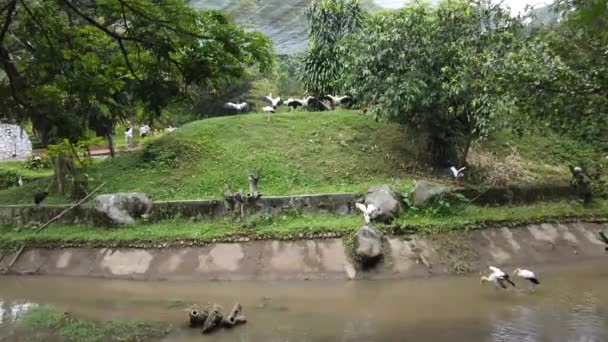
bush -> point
(8, 178)
(37, 161)
(169, 151)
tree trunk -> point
(110, 140)
(59, 175)
(467, 148)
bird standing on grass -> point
(528, 275)
(268, 110)
(39, 197)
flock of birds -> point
(502, 280)
(326, 102)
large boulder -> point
(123, 208)
(425, 191)
(389, 203)
(369, 244)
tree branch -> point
(119, 38)
(9, 18)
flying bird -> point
(501, 275)
(238, 107)
(526, 274)
(369, 211)
(305, 103)
(39, 197)
(457, 173)
(274, 102)
(338, 100)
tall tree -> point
(560, 74)
(74, 64)
(330, 21)
(433, 68)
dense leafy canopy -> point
(73, 64)
(560, 75)
(330, 22)
(434, 68)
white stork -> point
(274, 102)
(305, 102)
(20, 181)
(269, 110)
(367, 210)
(239, 107)
(338, 100)
(528, 275)
(498, 278)
(457, 173)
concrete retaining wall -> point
(416, 256)
(340, 203)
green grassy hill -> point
(302, 152)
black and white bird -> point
(576, 170)
(457, 173)
(306, 102)
(527, 274)
(238, 107)
(338, 100)
(269, 110)
(494, 279)
(274, 102)
(369, 211)
(499, 277)
(39, 197)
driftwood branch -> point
(197, 317)
(214, 319)
(70, 208)
(49, 222)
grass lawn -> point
(288, 226)
(298, 153)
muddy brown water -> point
(570, 305)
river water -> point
(570, 305)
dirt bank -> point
(405, 256)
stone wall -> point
(14, 143)
(417, 256)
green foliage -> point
(169, 151)
(72, 67)
(558, 75)
(37, 161)
(80, 330)
(330, 21)
(8, 178)
(41, 317)
(434, 69)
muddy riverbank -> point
(405, 256)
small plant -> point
(8, 178)
(37, 162)
(169, 150)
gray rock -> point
(369, 244)
(123, 208)
(424, 191)
(388, 203)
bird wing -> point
(495, 269)
(455, 173)
(280, 102)
(229, 105)
(361, 207)
(345, 99)
(294, 103)
(461, 169)
(327, 98)
(267, 99)
(527, 274)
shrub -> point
(37, 161)
(169, 150)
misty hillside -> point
(283, 21)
